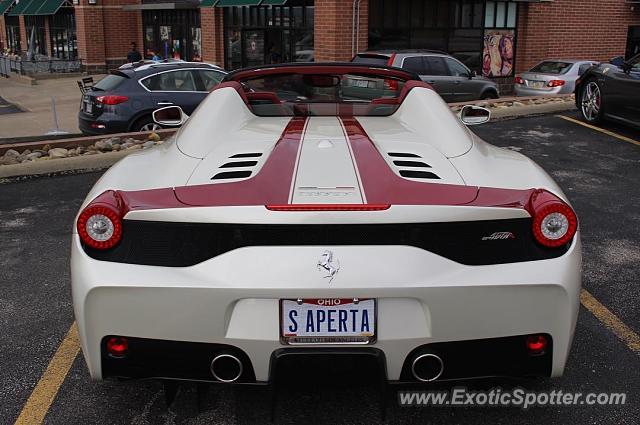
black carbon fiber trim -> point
(187, 244)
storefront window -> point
(62, 30)
(259, 35)
(172, 34)
(498, 53)
(36, 40)
(454, 26)
(13, 33)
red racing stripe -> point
(271, 185)
(383, 186)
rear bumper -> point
(527, 91)
(101, 125)
(424, 302)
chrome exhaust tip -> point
(427, 367)
(226, 368)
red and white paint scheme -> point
(328, 209)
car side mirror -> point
(170, 116)
(474, 115)
(472, 74)
(618, 61)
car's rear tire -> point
(146, 124)
(591, 102)
(489, 94)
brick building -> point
(497, 38)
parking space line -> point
(601, 130)
(611, 321)
(45, 392)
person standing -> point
(134, 55)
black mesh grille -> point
(413, 174)
(186, 244)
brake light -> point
(519, 80)
(328, 207)
(391, 85)
(100, 223)
(111, 99)
(117, 346)
(556, 83)
(554, 222)
(536, 344)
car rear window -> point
(380, 60)
(110, 82)
(551, 67)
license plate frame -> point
(353, 338)
(535, 84)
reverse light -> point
(328, 207)
(100, 223)
(554, 222)
(556, 83)
(117, 346)
(537, 344)
(112, 99)
(519, 80)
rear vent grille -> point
(411, 164)
(239, 164)
(246, 155)
(232, 175)
(414, 174)
(404, 155)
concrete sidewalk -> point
(36, 102)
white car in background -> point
(285, 219)
(551, 77)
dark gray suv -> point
(448, 76)
(124, 100)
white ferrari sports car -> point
(321, 210)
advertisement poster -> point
(498, 53)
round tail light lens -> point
(117, 346)
(100, 226)
(536, 344)
(554, 224)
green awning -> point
(20, 7)
(208, 3)
(48, 7)
(273, 2)
(5, 5)
(36, 7)
(227, 3)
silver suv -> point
(448, 76)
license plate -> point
(361, 83)
(88, 107)
(328, 321)
(536, 84)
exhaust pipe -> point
(427, 367)
(226, 368)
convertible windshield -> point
(323, 94)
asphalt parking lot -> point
(599, 172)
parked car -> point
(611, 91)
(125, 99)
(286, 220)
(449, 77)
(551, 77)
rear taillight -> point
(556, 83)
(554, 222)
(391, 85)
(117, 346)
(100, 223)
(519, 80)
(111, 99)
